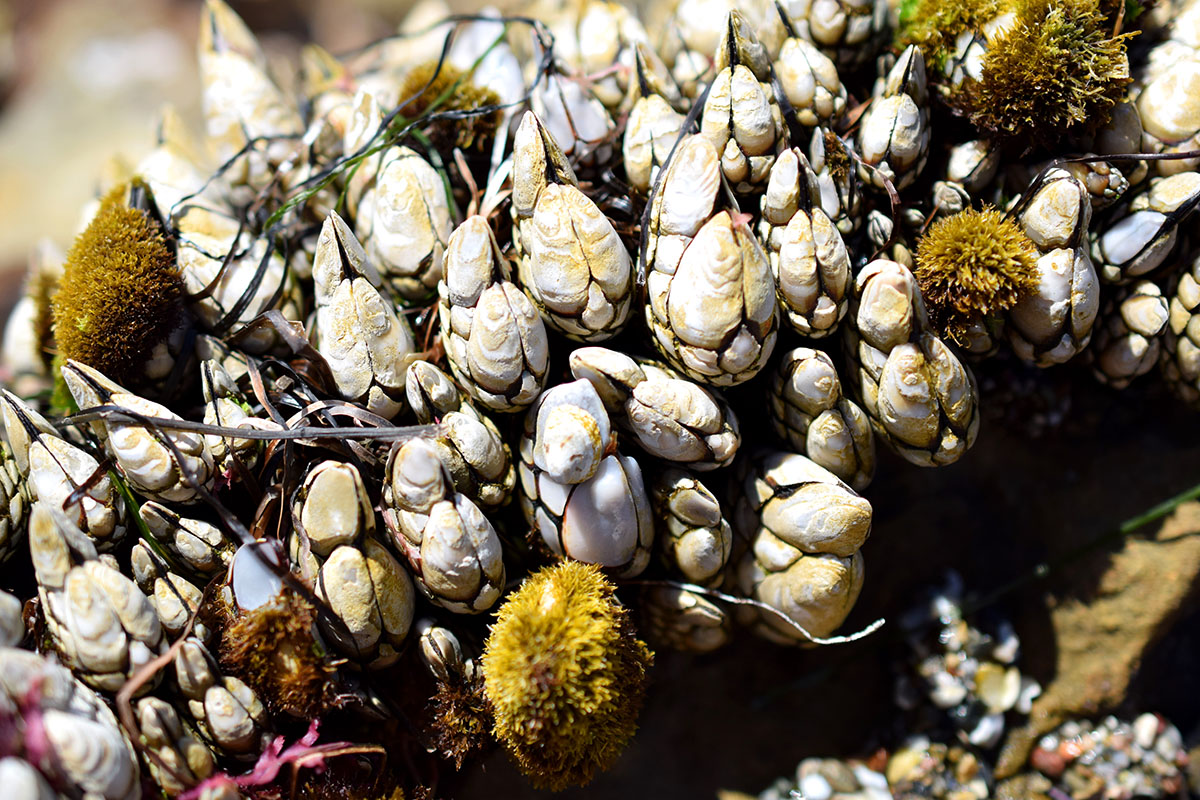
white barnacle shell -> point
(808, 258)
(457, 555)
(495, 340)
(714, 318)
(333, 507)
(199, 544)
(810, 82)
(681, 421)
(926, 402)
(23, 780)
(169, 465)
(612, 374)
(366, 344)
(810, 413)
(12, 625)
(571, 432)
(814, 590)
(893, 137)
(804, 505)
(1055, 322)
(57, 469)
(94, 756)
(650, 133)
(1139, 242)
(233, 715)
(97, 618)
(574, 117)
(577, 270)
(452, 547)
(1181, 353)
(405, 221)
(372, 594)
(605, 520)
(208, 238)
(887, 312)
(80, 746)
(180, 760)
(684, 620)
(1058, 213)
(1129, 338)
(696, 539)
(744, 124)
(468, 443)
(240, 100)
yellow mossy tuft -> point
(565, 674)
(934, 25)
(1055, 69)
(973, 265)
(460, 718)
(272, 649)
(120, 293)
(425, 83)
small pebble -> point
(1145, 730)
(1048, 762)
(987, 733)
(815, 787)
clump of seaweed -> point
(273, 650)
(565, 674)
(1056, 68)
(437, 88)
(972, 266)
(461, 718)
(120, 294)
(935, 25)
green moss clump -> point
(120, 293)
(427, 82)
(461, 718)
(565, 674)
(973, 265)
(273, 650)
(1055, 70)
(934, 25)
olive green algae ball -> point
(565, 674)
(121, 293)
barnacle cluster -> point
(404, 402)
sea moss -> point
(972, 266)
(120, 293)
(433, 88)
(565, 674)
(1056, 69)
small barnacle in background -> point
(565, 674)
(1054, 69)
(433, 88)
(972, 266)
(120, 294)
